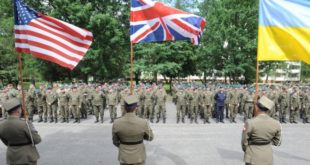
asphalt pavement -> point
(88, 143)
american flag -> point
(154, 21)
(48, 38)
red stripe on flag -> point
(38, 35)
(52, 59)
(23, 50)
(146, 32)
(185, 27)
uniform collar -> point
(130, 114)
(13, 117)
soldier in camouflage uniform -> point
(283, 101)
(181, 105)
(90, 106)
(272, 95)
(207, 104)
(160, 108)
(41, 104)
(233, 105)
(248, 105)
(75, 104)
(63, 103)
(112, 102)
(294, 105)
(148, 104)
(51, 100)
(141, 97)
(84, 101)
(30, 101)
(194, 98)
(97, 102)
(124, 94)
(306, 101)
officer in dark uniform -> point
(128, 134)
(19, 136)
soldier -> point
(63, 103)
(75, 104)
(207, 103)
(3, 98)
(141, 95)
(233, 105)
(97, 101)
(148, 104)
(112, 102)
(294, 105)
(128, 133)
(181, 105)
(228, 95)
(194, 105)
(51, 100)
(283, 101)
(248, 105)
(84, 104)
(30, 101)
(160, 107)
(259, 134)
(19, 136)
(124, 94)
(90, 106)
(306, 107)
(41, 104)
(273, 96)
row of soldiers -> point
(78, 101)
(63, 103)
(194, 102)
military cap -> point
(266, 103)
(11, 104)
(131, 102)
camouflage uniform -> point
(306, 117)
(75, 104)
(294, 106)
(233, 105)
(84, 102)
(42, 105)
(160, 108)
(63, 103)
(207, 105)
(181, 105)
(283, 101)
(97, 102)
(194, 97)
(30, 102)
(248, 106)
(148, 105)
(51, 100)
(141, 97)
(112, 102)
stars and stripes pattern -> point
(154, 21)
(48, 38)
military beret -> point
(11, 104)
(131, 102)
(267, 103)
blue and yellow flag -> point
(284, 30)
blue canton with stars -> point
(23, 14)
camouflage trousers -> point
(233, 110)
(64, 111)
(140, 111)
(293, 114)
(112, 110)
(42, 110)
(180, 111)
(160, 111)
(148, 111)
(30, 110)
(282, 112)
(52, 111)
(76, 111)
(207, 112)
(99, 111)
(248, 111)
(194, 112)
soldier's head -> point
(13, 107)
(264, 104)
(131, 103)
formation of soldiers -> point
(192, 102)
(62, 103)
(65, 103)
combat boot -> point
(51, 121)
(63, 120)
(183, 120)
(178, 120)
(40, 120)
(45, 120)
(96, 120)
(56, 120)
(152, 121)
(67, 120)
(164, 120)
(157, 121)
(76, 120)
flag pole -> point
(22, 86)
(131, 68)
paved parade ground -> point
(174, 144)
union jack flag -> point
(154, 21)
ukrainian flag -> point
(284, 30)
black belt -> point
(259, 143)
(132, 143)
(21, 144)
